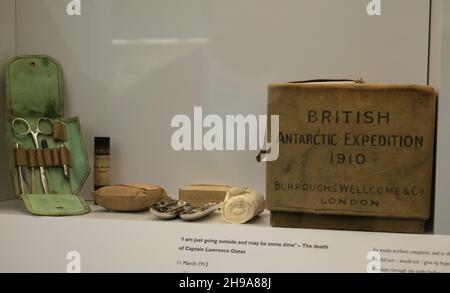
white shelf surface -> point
(137, 242)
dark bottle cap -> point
(102, 145)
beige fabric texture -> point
(201, 194)
(128, 197)
(314, 177)
(241, 205)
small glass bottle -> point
(102, 162)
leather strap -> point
(59, 131)
(48, 159)
(360, 80)
(40, 158)
(55, 157)
(21, 157)
(32, 160)
(65, 156)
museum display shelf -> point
(105, 241)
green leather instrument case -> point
(34, 89)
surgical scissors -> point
(22, 128)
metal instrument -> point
(23, 176)
(65, 165)
(44, 126)
(200, 212)
(167, 209)
(44, 145)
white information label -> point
(120, 242)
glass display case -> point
(135, 71)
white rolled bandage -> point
(242, 204)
